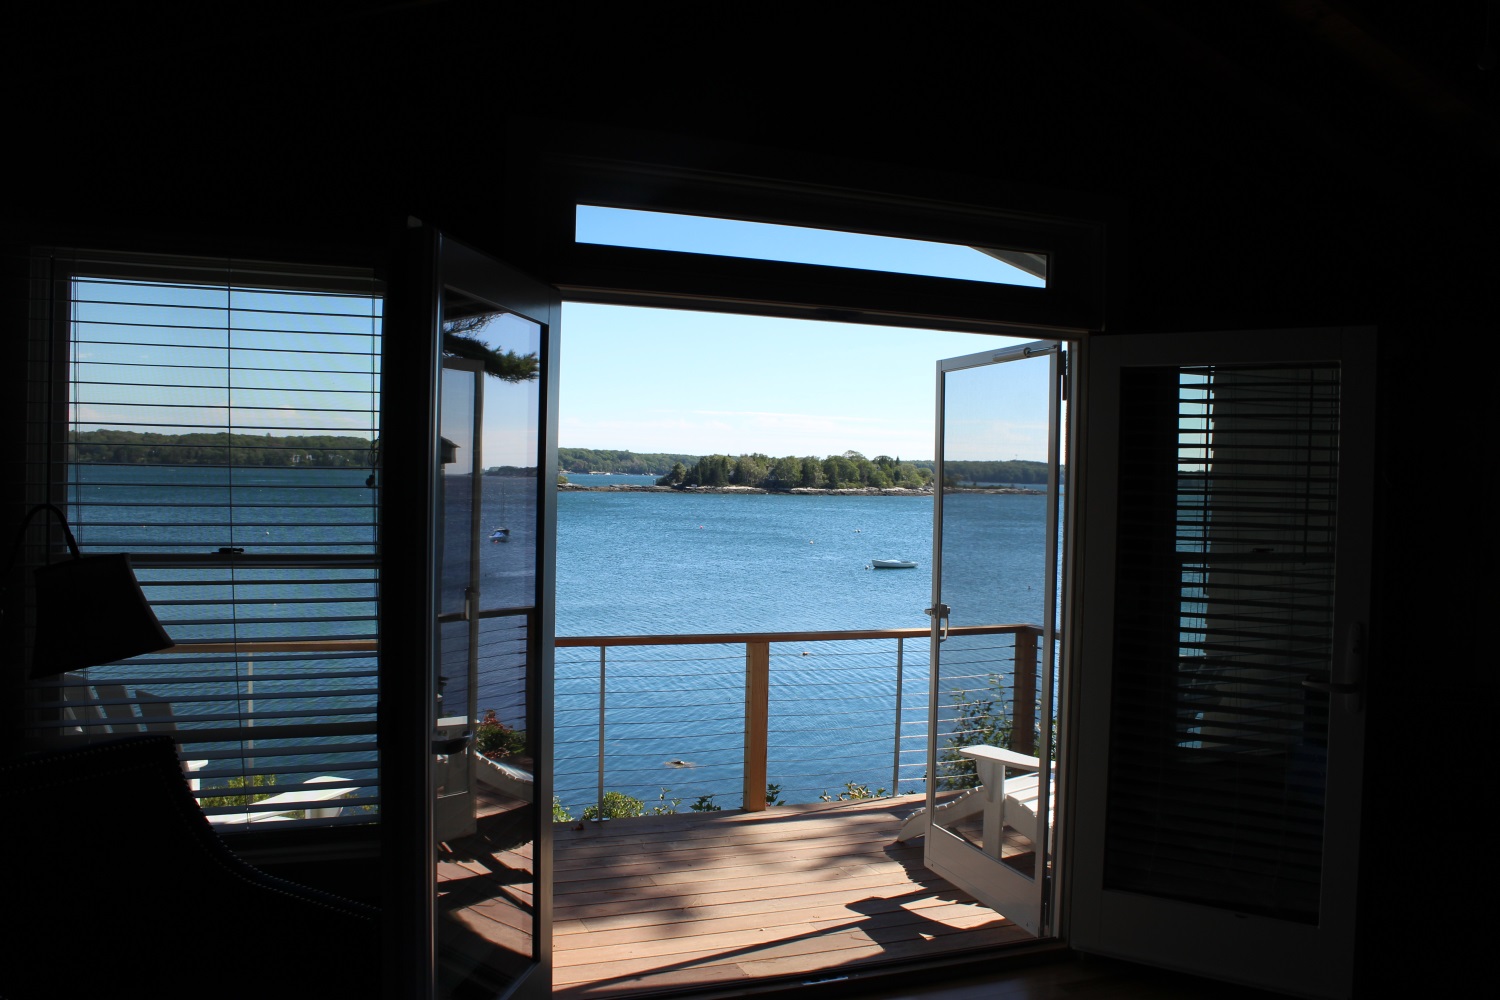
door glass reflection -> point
(485, 817)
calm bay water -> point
(652, 563)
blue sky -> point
(659, 380)
(765, 241)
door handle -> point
(1353, 681)
(940, 612)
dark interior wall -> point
(1304, 187)
(1252, 173)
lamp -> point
(89, 609)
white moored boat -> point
(892, 564)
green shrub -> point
(617, 805)
(853, 792)
(245, 799)
(979, 722)
(495, 739)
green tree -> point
(711, 470)
(750, 470)
(785, 473)
(840, 472)
(460, 340)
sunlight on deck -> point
(705, 899)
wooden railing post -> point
(1023, 705)
(757, 710)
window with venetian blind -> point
(219, 421)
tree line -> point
(1012, 473)
(117, 447)
(851, 470)
(623, 462)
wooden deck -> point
(704, 900)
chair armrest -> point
(996, 755)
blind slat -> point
(1226, 534)
(226, 405)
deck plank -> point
(713, 899)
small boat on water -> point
(892, 564)
(500, 535)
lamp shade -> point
(91, 610)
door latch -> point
(1352, 681)
(940, 613)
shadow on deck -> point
(703, 900)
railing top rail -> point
(274, 646)
(728, 638)
(674, 639)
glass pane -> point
(1218, 741)
(484, 816)
(994, 572)
(505, 348)
(456, 486)
(628, 227)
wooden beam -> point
(757, 728)
(1023, 704)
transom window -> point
(629, 227)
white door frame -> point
(1027, 901)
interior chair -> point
(118, 885)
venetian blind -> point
(1224, 609)
(219, 421)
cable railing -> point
(647, 723)
(642, 723)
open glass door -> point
(996, 545)
(1220, 706)
(493, 517)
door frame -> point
(978, 873)
(424, 263)
(1198, 939)
(566, 170)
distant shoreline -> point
(797, 491)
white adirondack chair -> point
(1004, 801)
